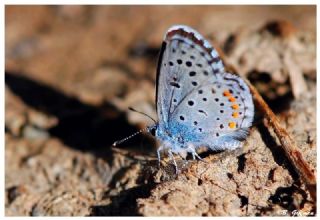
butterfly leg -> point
(174, 161)
(158, 154)
(200, 158)
(195, 154)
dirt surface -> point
(73, 71)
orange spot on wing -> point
(235, 114)
(232, 99)
(226, 93)
(235, 106)
(232, 124)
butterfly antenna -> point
(131, 136)
(147, 129)
(134, 110)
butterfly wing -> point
(174, 64)
(221, 113)
(196, 99)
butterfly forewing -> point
(181, 58)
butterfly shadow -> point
(80, 126)
(278, 153)
(123, 204)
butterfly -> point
(198, 103)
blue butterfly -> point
(198, 102)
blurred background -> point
(71, 72)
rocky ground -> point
(73, 71)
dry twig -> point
(287, 144)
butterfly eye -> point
(153, 131)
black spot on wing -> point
(203, 112)
(174, 84)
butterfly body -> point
(198, 102)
